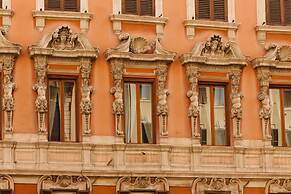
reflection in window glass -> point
(287, 114)
(205, 118)
(219, 115)
(138, 112)
(276, 117)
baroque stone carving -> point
(194, 108)
(134, 50)
(8, 53)
(213, 55)
(6, 182)
(63, 45)
(144, 183)
(202, 185)
(278, 186)
(80, 183)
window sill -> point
(41, 16)
(191, 25)
(263, 30)
(6, 17)
(159, 22)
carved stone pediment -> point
(64, 182)
(137, 48)
(7, 47)
(64, 43)
(215, 52)
(142, 184)
(278, 186)
(202, 185)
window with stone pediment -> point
(139, 68)
(214, 71)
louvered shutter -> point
(70, 5)
(45, 192)
(6, 191)
(1, 4)
(123, 192)
(287, 8)
(146, 7)
(54, 4)
(83, 192)
(203, 11)
(130, 7)
(161, 192)
(274, 12)
(219, 10)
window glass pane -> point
(276, 117)
(205, 119)
(54, 111)
(130, 112)
(69, 111)
(287, 113)
(146, 113)
(219, 115)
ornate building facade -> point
(145, 97)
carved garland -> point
(142, 183)
(233, 185)
(278, 186)
(64, 182)
(63, 43)
(138, 50)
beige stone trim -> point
(262, 31)
(41, 16)
(6, 17)
(6, 182)
(278, 186)
(191, 25)
(118, 19)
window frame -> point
(227, 105)
(129, 79)
(62, 3)
(282, 14)
(77, 102)
(281, 88)
(138, 8)
(211, 11)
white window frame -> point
(191, 23)
(262, 27)
(40, 14)
(117, 18)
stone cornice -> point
(62, 15)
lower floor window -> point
(212, 117)
(62, 110)
(281, 116)
(138, 102)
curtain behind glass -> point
(130, 113)
(54, 114)
(69, 111)
(146, 113)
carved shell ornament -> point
(140, 45)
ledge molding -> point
(117, 20)
(191, 25)
(6, 17)
(262, 31)
(41, 16)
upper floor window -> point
(281, 116)
(278, 12)
(62, 110)
(212, 117)
(62, 5)
(211, 9)
(138, 99)
(138, 7)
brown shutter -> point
(83, 192)
(146, 7)
(161, 192)
(6, 191)
(54, 4)
(130, 7)
(274, 13)
(287, 8)
(70, 5)
(45, 192)
(219, 10)
(1, 4)
(203, 11)
(123, 192)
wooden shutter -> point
(1, 4)
(6, 191)
(53, 4)
(219, 10)
(130, 7)
(146, 7)
(203, 11)
(274, 12)
(161, 192)
(83, 192)
(45, 192)
(70, 5)
(287, 11)
(123, 192)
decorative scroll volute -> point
(193, 95)
(278, 186)
(202, 185)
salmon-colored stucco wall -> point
(103, 189)
(25, 188)
(101, 35)
(254, 190)
(178, 190)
